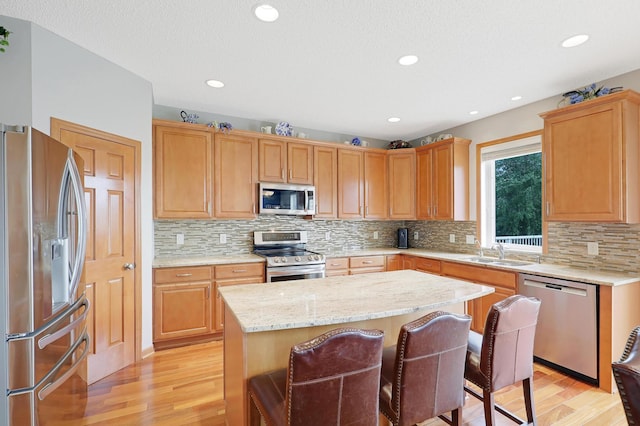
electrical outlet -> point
(592, 249)
(327, 235)
(179, 239)
(375, 235)
(223, 238)
(452, 238)
(471, 239)
(416, 235)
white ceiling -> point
(332, 64)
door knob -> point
(129, 266)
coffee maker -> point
(403, 238)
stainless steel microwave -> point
(284, 198)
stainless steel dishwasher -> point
(567, 331)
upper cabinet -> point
(281, 161)
(362, 184)
(402, 183)
(183, 178)
(325, 179)
(591, 160)
(236, 176)
(443, 180)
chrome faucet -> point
(498, 246)
(480, 253)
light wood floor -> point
(184, 386)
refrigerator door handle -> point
(54, 384)
(78, 192)
(49, 338)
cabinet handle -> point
(239, 271)
(335, 264)
(183, 275)
(366, 262)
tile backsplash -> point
(618, 244)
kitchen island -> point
(262, 322)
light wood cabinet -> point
(402, 183)
(394, 262)
(504, 282)
(362, 184)
(443, 180)
(421, 264)
(183, 166)
(337, 266)
(282, 161)
(182, 303)
(366, 264)
(234, 274)
(236, 176)
(325, 179)
(591, 160)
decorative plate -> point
(284, 129)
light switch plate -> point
(327, 235)
(416, 235)
(592, 249)
(179, 239)
(375, 235)
(471, 239)
(452, 238)
(223, 238)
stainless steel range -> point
(287, 256)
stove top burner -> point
(281, 250)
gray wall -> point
(63, 80)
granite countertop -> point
(589, 276)
(336, 300)
(173, 262)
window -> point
(510, 173)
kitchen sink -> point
(498, 262)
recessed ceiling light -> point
(408, 60)
(576, 40)
(266, 12)
(215, 83)
(473, 112)
(393, 119)
(516, 98)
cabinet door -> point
(583, 155)
(394, 262)
(402, 184)
(273, 160)
(181, 310)
(431, 266)
(236, 172)
(424, 184)
(478, 308)
(300, 163)
(375, 186)
(409, 262)
(325, 176)
(350, 184)
(443, 182)
(183, 161)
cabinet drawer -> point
(481, 274)
(180, 275)
(240, 270)
(356, 271)
(337, 263)
(427, 265)
(366, 261)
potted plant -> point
(4, 38)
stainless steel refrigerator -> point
(43, 308)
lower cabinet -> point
(366, 264)
(337, 266)
(182, 303)
(186, 305)
(394, 262)
(504, 282)
(421, 264)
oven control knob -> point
(310, 257)
(284, 260)
(276, 260)
(297, 258)
(316, 257)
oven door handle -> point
(295, 270)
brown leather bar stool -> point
(423, 375)
(503, 355)
(627, 375)
(333, 379)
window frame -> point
(481, 189)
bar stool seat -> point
(332, 379)
(626, 372)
